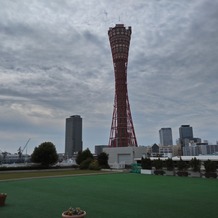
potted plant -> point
(74, 213)
(3, 197)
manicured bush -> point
(182, 173)
(94, 165)
(210, 166)
(169, 164)
(158, 164)
(181, 165)
(146, 163)
(195, 164)
(159, 172)
(85, 164)
(210, 175)
(103, 160)
(83, 155)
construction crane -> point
(20, 150)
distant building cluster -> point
(192, 146)
(187, 145)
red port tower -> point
(122, 132)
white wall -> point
(127, 154)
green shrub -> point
(83, 155)
(169, 164)
(146, 163)
(210, 166)
(45, 154)
(182, 173)
(210, 175)
(159, 172)
(158, 164)
(181, 165)
(103, 160)
(85, 164)
(195, 164)
(94, 165)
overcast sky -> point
(55, 61)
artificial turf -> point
(7, 175)
(112, 196)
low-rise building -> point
(124, 154)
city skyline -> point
(55, 61)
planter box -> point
(182, 173)
(169, 173)
(148, 172)
(211, 175)
(195, 174)
(159, 172)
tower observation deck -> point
(122, 132)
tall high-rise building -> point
(166, 136)
(185, 134)
(73, 135)
(122, 130)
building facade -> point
(185, 132)
(124, 155)
(196, 149)
(73, 135)
(165, 135)
(185, 135)
(99, 149)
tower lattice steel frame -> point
(122, 130)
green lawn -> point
(112, 196)
(5, 175)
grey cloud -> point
(55, 61)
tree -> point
(169, 164)
(182, 168)
(158, 164)
(45, 154)
(195, 164)
(103, 160)
(210, 169)
(210, 166)
(181, 165)
(83, 155)
(146, 163)
(79, 158)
